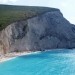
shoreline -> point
(13, 55)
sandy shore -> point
(13, 55)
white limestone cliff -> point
(47, 31)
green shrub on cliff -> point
(10, 14)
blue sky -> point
(67, 7)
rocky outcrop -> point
(47, 31)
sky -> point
(67, 7)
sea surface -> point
(53, 62)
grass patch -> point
(10, 14)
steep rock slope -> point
(47, 31)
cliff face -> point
(46, 31)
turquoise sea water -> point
(56, 62)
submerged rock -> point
(46, 31)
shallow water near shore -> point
(53, 62)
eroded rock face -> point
(47, 31)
